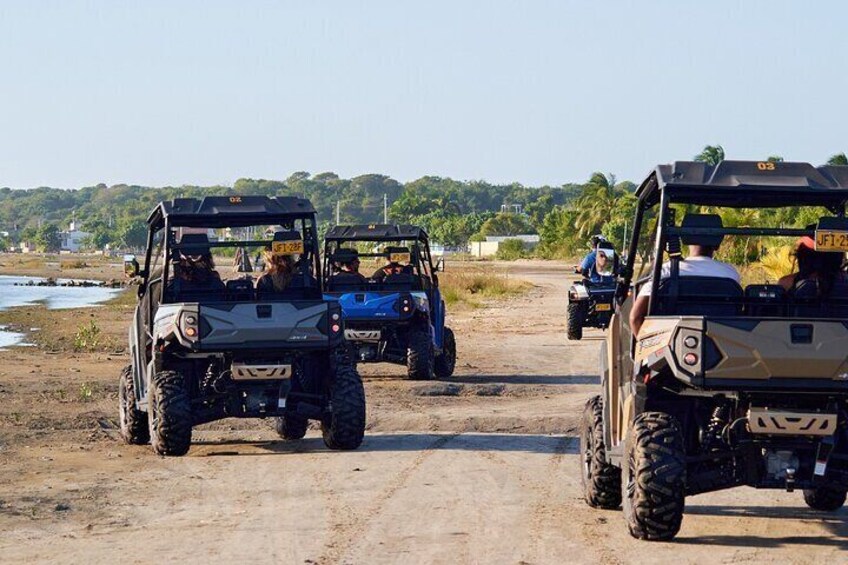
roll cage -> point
(730, 184)
(218, 212)
(412, 237)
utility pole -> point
(624, 246)
(385, 208)
(338, 212)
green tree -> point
(775, 159)
(47, 239)
(133, 233)
(507, 223)
(838, 159)
(711, 155)
(596, 203)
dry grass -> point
(469, 285)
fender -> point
(577, 293)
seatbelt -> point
(672, 247)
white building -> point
(490, 247)
(72, 238)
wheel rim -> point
(630, 485)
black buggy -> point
(590, 298)
(211, 348)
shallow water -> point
(53, 297)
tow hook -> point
(790, 480)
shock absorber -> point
(718, 421)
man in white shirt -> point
(700, 263)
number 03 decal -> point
(765, 166)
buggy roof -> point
(229, 211)
(376, 232)
(748, 184)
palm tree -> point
(711, 155)
(596, 203)
(838, 159)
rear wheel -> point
(344, 428)
(170, 414)
(824, 499)
(601, 481)
(419, 356)
(291, 427)
(576, 315)
(134, 424)
(446, 361)
(655, 477)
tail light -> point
(190, 325)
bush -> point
(510, 250)
(73, 264)
(87, 337)
(469, 286)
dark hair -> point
(821, 266)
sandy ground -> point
(482, 468)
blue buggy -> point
(396, 314)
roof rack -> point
(747, 184)
(229, 211)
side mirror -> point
(440, 264)
(131, 268)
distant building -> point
(490, 247)
(72, 239)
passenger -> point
(195, 274)
(348, 263)
(700, 263)
(391, 268)
(823, 267)
(279, 272)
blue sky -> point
(534, 92)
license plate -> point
(602, 307)
(286, 247)
(831, 240)
(399, 257)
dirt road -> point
(482, 468)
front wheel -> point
(133, 422)
(170, 414)
(419, 356)
(446, 361)
(576, 316)
(344, 428)
(824, 499)
(655, 477)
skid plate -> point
(244, 372)
(790, 423)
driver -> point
(588, 263)
(348, 263)
(599, 265)
(603, 271)
(195, 273)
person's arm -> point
(637, 314)
(588, 263)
